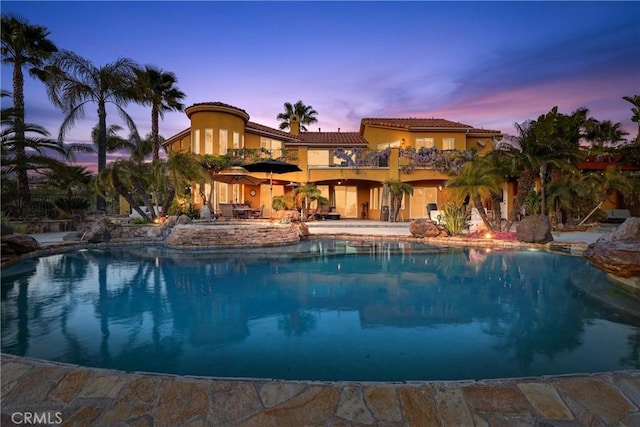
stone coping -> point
(75, 395)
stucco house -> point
(349, 167)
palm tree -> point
(605, 184)
(550, 142)
(36, 148)
(603, 133)
(635, 101)
(305, 113)
(397, 189)
(480, 180)
(74, 82)
(307, 193)
(23, 45)
(157, 88)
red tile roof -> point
(332, 138)
(269, 131)
(415, 123)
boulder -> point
(618, 252)
(301, 228)
(423, 227)
(100, 231)
(534, 229)
(285, 216)
(183, 219)
(18, 243)
(629, 229)
(618, 257)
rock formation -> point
(423, 227)
(618, 253)
(534, 229)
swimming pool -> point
(320, 310)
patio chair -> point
(226, 210)
(258, 213)
(323, 211)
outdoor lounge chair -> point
(323, 211)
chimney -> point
(294, 125)
(338, 130)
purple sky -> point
(486, 64)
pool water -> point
(320, 310)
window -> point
(236, 140)
(208, 141)
(424, 143)
(385, 145)
(448, 143)
(272, 146)
(195, 141)
(318, 158)
(374, 197)
(223, 143)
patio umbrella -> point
(235, 175)
(271, 166)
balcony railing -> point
(249, 155)
(360, 157)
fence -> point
(43, 205)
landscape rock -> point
(618, 252)
(18, 243)
(534, 229)
(183, 219)
(100, 231)
(629, 229)
(285, 216)
(423, 227)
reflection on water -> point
(324, 309)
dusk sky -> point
(486, 64)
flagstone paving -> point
(82, 396)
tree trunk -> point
(101, 203)
(477, 202)
(496, 200)
(22, 178)
(155, 138)
(525, 184)
(543, 196)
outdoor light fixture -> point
(440, 187)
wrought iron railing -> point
(43, 205)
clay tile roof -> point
(218, 104)
(418, 123)
(266, 130)
(332, 138)
(409, 123)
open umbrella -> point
(235, 175)
(271, 166)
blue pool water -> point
(321, 310)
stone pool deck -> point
(79, 396)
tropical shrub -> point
(456, 218)
(67, 204)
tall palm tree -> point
(635, 101)
(37, 148)
(305, 113)
(550, 142)
(480, 180)
(74, 82)
(158, 89)
(397, 189)
(23, 45)
(603, 133)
